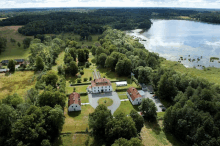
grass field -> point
(122, 95)
(2, 19)
(211, 73)
(105, 101)
(77, 121)
(125, 107)
(12, 50)
(19, 83)
(84, 98)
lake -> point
(175, 38)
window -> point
(76, 105)
(72, 106)
(105, 86)
(109, 89)
(94, 87)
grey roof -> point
(17, 60)
(5, 61)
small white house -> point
(134, 96)
(74, 102)
(4, 70)
(100, 85)
(124, 83)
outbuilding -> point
(100, 85)
(4, 70)
(134, 96)
(74, 102)
(124, 83)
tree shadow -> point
(70, 79)
(74, 113)
(172, 139)
(154, 126)
(135, 106)
(58, 141)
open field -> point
(211, 73)
(12, 50)
(105, 101)
(122, 95)
(77, 121)
(153, 135)
(84, 98)
(19, 83)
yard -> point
(126, 107)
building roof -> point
(74, 98)
(133, 92)
(100, 82)
(19, 60)
(5, 61)
(4, 70)
(121, 83)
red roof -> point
(101, 82)
(74, 98)
(133, 92)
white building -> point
(124, 83)
(74, 102)
(100, 85)
(134, 96)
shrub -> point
(85, 79)
(78, 76)
(79, 80)
(82, 72)
(88, 64)
(90, 78)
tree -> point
(98, 120)
(120, 68)
(71, 69)
(13, 100)
(81, 55)
(72, 44)
(11, 65)
(52, 98)
(144, 74)
(7, 118)
(50, 78)
(120, 127)
(101, 59)
(19, 44)
(26, 42)
(123, 67)
(138, 119)
(124, 142)
(3, 43)
(67, 58)
(148, 109)
(167, 83)
(110, 63)
(73, 53)
(86, 52)
(39, 63)
(32, 96)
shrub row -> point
(80, 84)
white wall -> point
(136, 101)
(100, 88)
(74, 107)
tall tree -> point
(148, 109)
(101, 59)
(3, 43)
(81, 55)
(26, 42)
(50, 78)
(11, 65)
(138, 119)
(39, 63)
(73, 53)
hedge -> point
(80, 84)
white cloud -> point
(110, 3)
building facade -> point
(134, 96)
(74, 102)
(100, 85)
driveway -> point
(93, 100)
(156, 101)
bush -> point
(78, 76)
(85, 79)
(82, 72)
(60, 69)
(90, 78)
(88, 64)
(79, 80)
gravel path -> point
(93, 100)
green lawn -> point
(122, 95)
(59, 61)
(77, 121)
(79, 89)
(106, 101)
(84, 98)
(19, 83)
(211, 73)
(125, 107)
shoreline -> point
(203, 60)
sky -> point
(110, 3)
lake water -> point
(175, 38)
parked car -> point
(161, 105)
(151, 92)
